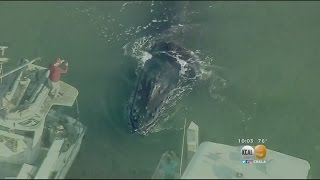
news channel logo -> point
(252, 155)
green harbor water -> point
(269, 55)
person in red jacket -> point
(55, 74)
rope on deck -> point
(182, 148)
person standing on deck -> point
(55, 74)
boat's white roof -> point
(25, 171)
(219, 161)
(49, 162)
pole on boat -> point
(2, 60)
(20, 67)
(78, 114)
(182, 148)
(2, 48)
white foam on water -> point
(139, 49)
(159, 21)
(182, 62)
(145, 56)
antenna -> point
(2, 60)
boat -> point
(221, 161)
(40, 136)
(211, 160)
(168, 166)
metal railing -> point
(20, 67)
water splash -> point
(139, 49)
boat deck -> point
(66, 97)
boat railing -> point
(20, 67)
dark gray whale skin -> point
(158, 77)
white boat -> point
(220, 161)
(37, 140)
(168, 167)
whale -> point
(156, 82)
